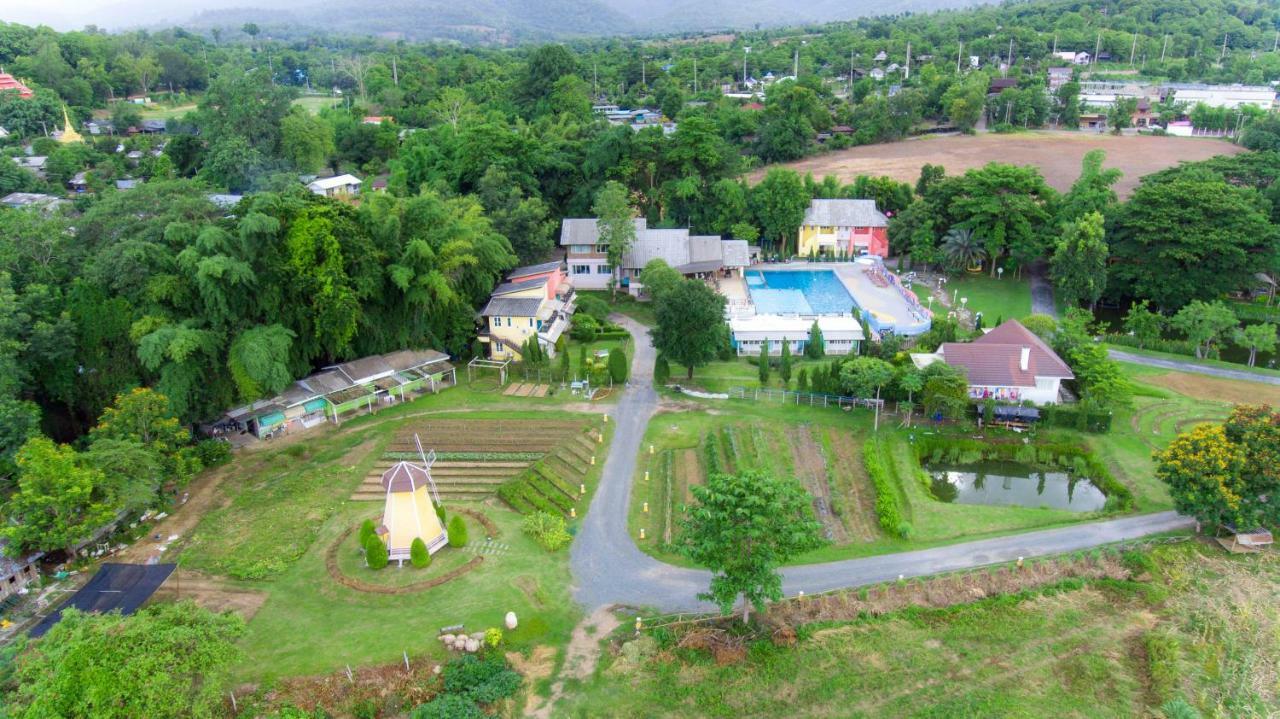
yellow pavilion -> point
(409, 512)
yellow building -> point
(409, 513)
(845, 228)
(534, 302)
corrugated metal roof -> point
(844, 213)
(511, 307)
(583, 231)
(535, 269)
(509, 287)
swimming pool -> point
(799, 292)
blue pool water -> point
(805, 292)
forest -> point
(485, 150)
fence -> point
(811, 399)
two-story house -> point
(534, 301)
(701, 256)
(844, 227)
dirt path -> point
(811, 469)
(202, 496)
(581, 656)
(856, 495)
(212, 593)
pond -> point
(1013, 484)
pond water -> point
(1013, 484)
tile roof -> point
(9, 82)
(512, 307)
(995, 359)
(844, 213)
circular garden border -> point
(335, 572)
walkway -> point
(1191, 366)
(608, 568)
(1041, 292)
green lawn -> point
(1194, 625)
(166, 112)
(285, 507)
(996, 299)
(740, 372)
(315, 103)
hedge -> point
(1177, 347)
(1059, 455)
(887, 509)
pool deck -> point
(885, 304)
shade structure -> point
(408, 512)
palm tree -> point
(962, 249)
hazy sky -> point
(75, 14)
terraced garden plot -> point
(475, 457)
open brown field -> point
(1197, 386)
(1057, 154)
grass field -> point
(1192, 625)
(315, 103)
(279, 517)
(996, 299)
(1056, 154)
(166, 112)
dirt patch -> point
(202, 496)
(1198, 386)
(1056, 154)
(581, 655)
(810, 464)
(857, 500)
(339, 691)
(540, 664)
(529, 586)
(212, 593)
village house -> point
(19, 200)
(340, 186)
(534, 301)
(1008, 364)
(34, 163)
(747, 335)
(1075, 58)
(1058, 76)
(697, 256)
(844, 227)
(16, 574)
(1232, 97)
(348, 388)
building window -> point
(530, 321)
(604, 270)
(582, 269)
(581, 249)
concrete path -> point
(1189, 366)
(608, 568)
(1041, 291)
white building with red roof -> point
(1008, 364)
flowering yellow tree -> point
(1204, 469)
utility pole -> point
(1223, 56)
(795, 65)
(595, 80)
(959, 54)
(1097, 45)
(849, 91)
(1164, 48)
(1133, 49)
(1055, 44)
(746, 50)
(907, 75)
(395, 71)
(1008, 63)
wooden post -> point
(406, 661)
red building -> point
(9, 82)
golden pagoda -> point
(69, 133)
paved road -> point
(1188, 366)
(1041, 292)
(609, 569)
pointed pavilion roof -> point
(69, 133)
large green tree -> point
(1188, 235)
(1092, 191)
(743, 527)
(59, 502)
(1079, 262)
(1009, 207)
(1205, 324)
(616, 224)
(690, 324)
(166, 661)
(779, 202)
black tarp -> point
(1006, 413)
(123, 587)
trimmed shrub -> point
(448, 706)
(418, 554)
(367, 531)
(661, 371)
(887, 510)
(213, 452)
(618, 365)
(547, 529)
(457, 532)
(440, 514)
(375, 553)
